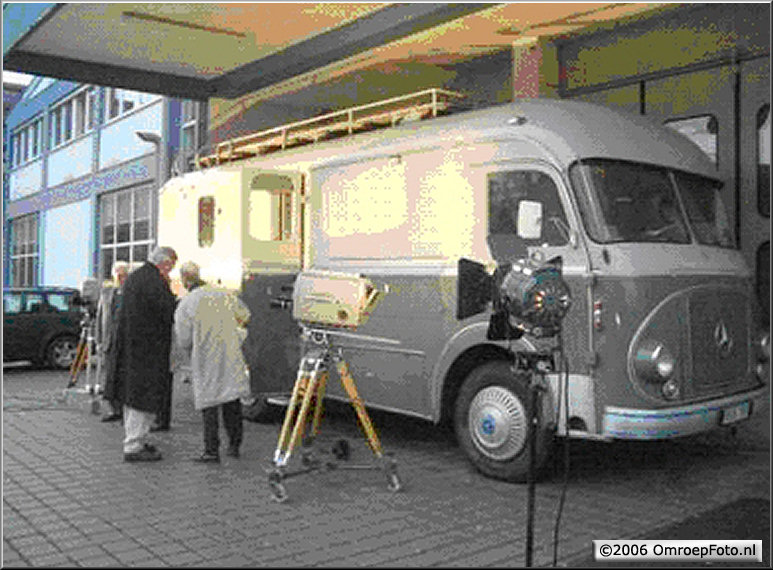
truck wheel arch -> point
(462, 353)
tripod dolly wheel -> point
(341, 450)
(278, 491)
(394, 483)
(393, 479)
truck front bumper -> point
(626, 423)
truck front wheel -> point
(491, 419)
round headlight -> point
(665, 367)
(654, 362)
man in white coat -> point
(210, 327)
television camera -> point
(327, 305)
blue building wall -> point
(63, 185)
(68, 241)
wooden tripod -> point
(305, 409)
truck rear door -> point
(272, 249)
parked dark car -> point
(41, 324)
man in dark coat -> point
(143, 342)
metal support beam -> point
(389, 24)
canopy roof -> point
(203, 50)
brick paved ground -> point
(69, 499)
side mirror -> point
(529, 219)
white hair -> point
(162, 253)
(190, 269)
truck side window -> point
(505, 191)
(206, 221)
(271, 207)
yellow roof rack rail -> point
(384, 113)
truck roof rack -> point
(384, 113)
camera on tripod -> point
(87, 300)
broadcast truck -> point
(663, 338)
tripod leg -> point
(318, 399)
(302, 418)
(77, 364)
(359, 407)
(301, 383)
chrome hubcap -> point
(497, 422)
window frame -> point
(126, 102)
(190, 130)
(24, 250)
(281, 211)
(67, 115)
(27, 143)
(206, 227)
(125, 250)
(548, 227)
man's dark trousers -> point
(232, 421)
(164, 414)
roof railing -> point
(380, 114)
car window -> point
(11, 303)
(33, 303)
(59, 301)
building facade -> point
(82, 170)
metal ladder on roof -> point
(380, 114)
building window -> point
(763, 160)
(73, 117)
(126, 232)
(206, 221)
(703, 130)
(190, 135)
(24, 251)
(123, 101)
(27, 142)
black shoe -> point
(207, 458)
(154, 428)
(112, 417)
(233, 452)
(147, 453)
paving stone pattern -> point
(69, 500)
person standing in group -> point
(107, 318)
(143, 343)
(210, 324)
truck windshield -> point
(629, 202)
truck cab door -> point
(272, 248)
(510, 188)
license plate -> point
(734, 414)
